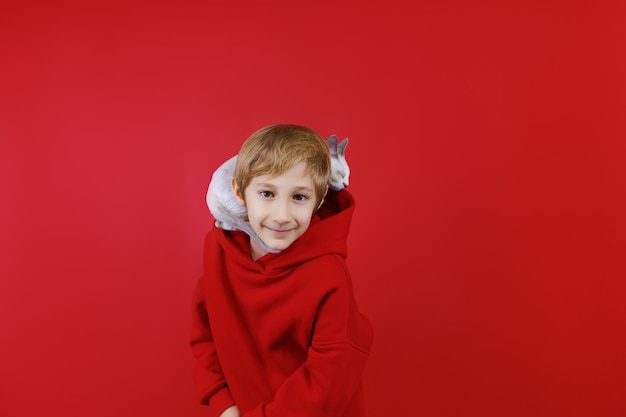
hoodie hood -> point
(327, 235)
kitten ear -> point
(237, 192)
(331, 141)
(341, 147)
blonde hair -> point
(275, 149)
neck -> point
(256, 250)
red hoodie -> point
(281, 336)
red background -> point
(487, 151)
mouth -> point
(279, 232)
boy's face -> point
(280, 208)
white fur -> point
(339, 168)
(230, 215)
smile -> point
(279, 232)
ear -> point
(331, 141)
(237, 192)
(322, 202)
(341, 148)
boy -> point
(279, 334)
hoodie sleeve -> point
(209, 378)
(326, 384)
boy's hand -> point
(232, 411)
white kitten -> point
(230, 215)
(339, 168)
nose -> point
(281, 212)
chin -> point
(277, 246)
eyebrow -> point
(298, 188)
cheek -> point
(305, 215)
(255, 210)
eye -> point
(300, 197)
(266, 194)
